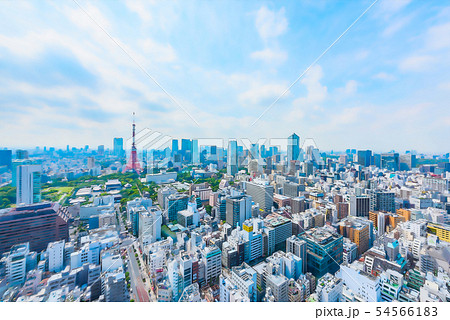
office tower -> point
(382, 201)
(293, 148)
(357, 232)
(186, 149)
(28, 184)
(163, 193)
(21, 154)
(6, 158)
(343, 159)
(298, 247)
(195, 154)
(114, 287)
(174, 146)
(278, 229)
(232, 158)
(212, 259)
(101, 150)
(263, 152)
(174, 204)
(90, 162)
(133, 163)
(390, 161)
(37, 224)
(407, 161)
(364, 157)
(261, 193)
(292, 189)
(358, 205)
(324, 251)
(150, 221)
(342, 210)
(238, 209)
(16, 264)
(254, 151)
(118, 147)
(55, 254)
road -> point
(137, 284)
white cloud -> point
(417, 63)
(438, 37)
(317, 93)
(271, 24)
(396, 26)
(141, 9)
(158, 52)
(261, 92)
(384, 76)
(349, 89)
(270, 56)
(389, 7)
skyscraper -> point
(6, 158)
(262, 193)
(101, 150)
(324, 251)
(174, 146)
(232, 158)
(195, 153)
(28, 184)
(293, 148)
(238, 210)
(364, 157)
(186, 149)
(21, 154)
(118, 147)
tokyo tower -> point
(133, 163)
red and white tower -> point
(133, 163)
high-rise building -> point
(390, 161)
(21, 154)
(28, 184)
(195, 153)
(212, 259)
(364, 157)
(55, 252)
(382, 201)
(297, 246)
(261, 193)
(174, 204)
(174, 146)
(324, 251)
(408, 161)
(358, 233)
(16, 264)
(293, 148)
(358, 205)
(37, 224)
(186, 149)
(238, 209)
(118, 147)
(6, 158)
(232, 158)
(278, 229)
(150, 221)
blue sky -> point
(385, 85)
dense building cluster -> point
(228, 224)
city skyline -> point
(383, 86)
